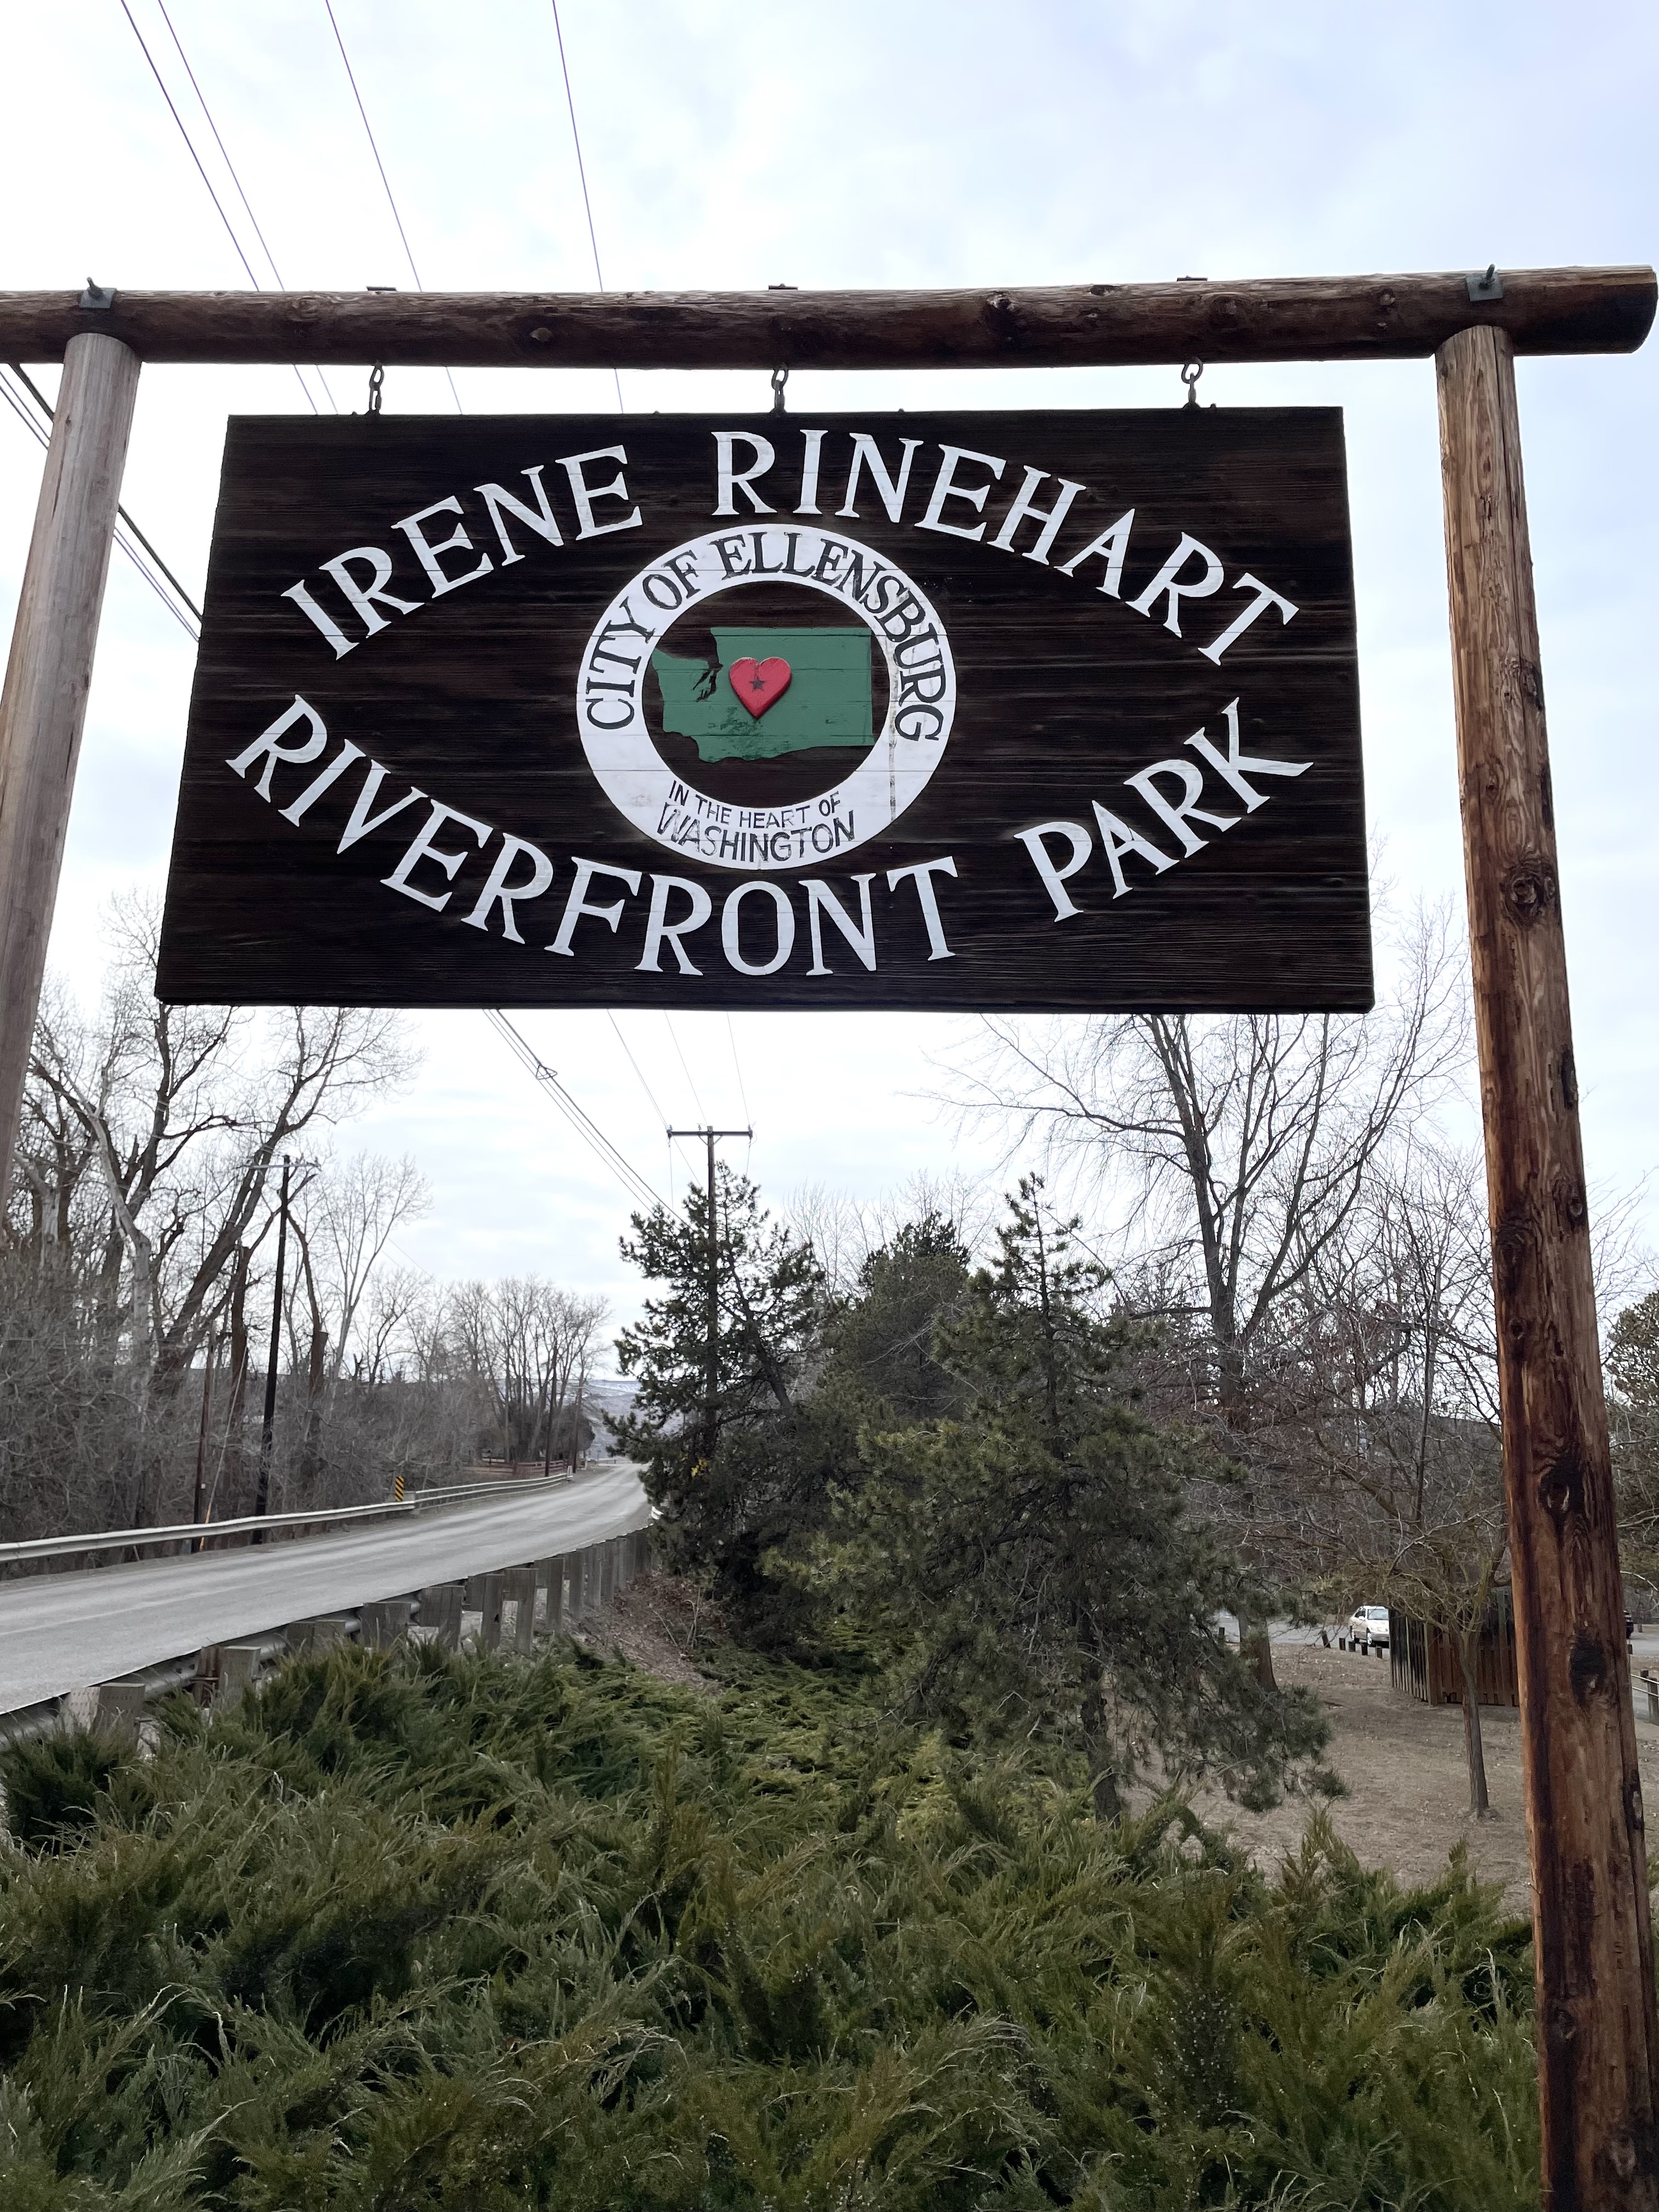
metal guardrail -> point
(121, 1539)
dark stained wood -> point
(48, 675)
(1063, 693)
(1598, 2038)
(1424, 1660)
(1279, 319)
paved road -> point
(59, 1632)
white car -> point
(1368, 1626)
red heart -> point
(759, 683)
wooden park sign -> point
(1039, 711)
(464, 748)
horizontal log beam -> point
(1071, 326)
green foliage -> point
(882, 1352)
(53, 1783)
(1066, 1588)
(717, 1440)
(1633, 1353)
(1633, 1408)
(742, 1494)
(405, 1931)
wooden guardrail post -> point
(1598, 2037)
(42, 708)
(484, 1596)
(441, 1613)
(381, 1621)
(119, 1711)
(518, 1588)
(551, 1573)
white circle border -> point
(640, 783)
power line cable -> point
(738, 1065)
(685, 1064)
(650, 1094)
(247, 204)
(385, 180)
(635, 1065)
(189, 145)
(131, 551)
(581, 172)
(46, 407)
(585, 1126)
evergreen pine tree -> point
(1033, 1559)
(715, 1423)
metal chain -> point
(376, 380)
(780, 378)
(1189, 376)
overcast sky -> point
(927, 143)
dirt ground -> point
(1408, 1783)
(654, 1624)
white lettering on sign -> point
(730, 479)
(1120, 839)
(760, 925)
(457, 541)
(610, 694)
(361, 591)
(363, 575)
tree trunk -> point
(316, 1388)
(1473, 1749)
(236, 1411)
(1256, 1649)
(1103, 1772)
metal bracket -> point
(1489, 287)
(97, 295)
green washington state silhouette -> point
(828, 702)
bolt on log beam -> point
(1071, 326)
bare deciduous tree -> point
(1229, 1152)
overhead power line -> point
(391, 200)
(581, 172)
(247, 204)
(201, 170)
(123, 536)
(587, 1128)
(733, 1035)
(674, 1039)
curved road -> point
(60, 1632)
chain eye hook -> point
(1189, 375)
(780, 378)
(376, 380)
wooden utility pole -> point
(711, 1356)
(44, 706)
(1598, 2037)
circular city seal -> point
(770, 691)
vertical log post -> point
(1597, 2035)
(48, 676)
